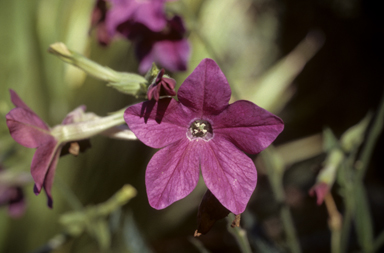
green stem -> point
(373, 135)
(240, 235)
(345, 231)
(379, 242)
(289, 228)
(88, 128)
(275, 171)
(127, 83)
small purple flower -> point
(321, 190)
(29, 130)
(202, 130)
(13, 197)
(162, 86)
(156, 38)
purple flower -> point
(98, 22)
(13, 197)
(156, 38)
(202, 130)
(321, 190)
(162, 86)
(29, 130)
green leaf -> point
(354, 136)
(100, 231)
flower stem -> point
(334, 222)
(127, 83)
(275, 168)
(89, 128)
(346, 228)
(378, 242)
(373, 135)
(240, 235)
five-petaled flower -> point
(202, 130)
(29, 130)
(161, 86)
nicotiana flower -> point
(156, 38)
(30, 131)
(11, 193)
(202, 130)
(161, 86)
(71, 136)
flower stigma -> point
(200, 129)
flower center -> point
(200, 128)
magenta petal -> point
(48, 182)
(158, 124)
(228, 173)
(248, 126)
(206, 89)
(17, 209)
(27, 128)
(172, 55)
(172, 173)
(151, 14)
(321, 190)
(45, 156)
(16, 100)
(75, 115)
(17, 205)
(148, 13)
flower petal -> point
(172, 55)
(27, 128)
(75, 116)
(172, 173)
(248, 126)
(148, 13)
(48, 181)
(151, 14)
(158, 124)
(17, 204)
(206, 89)
(16, 100)
(228, 173)
(321, 190)
(45, 157)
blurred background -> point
(315, 64)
